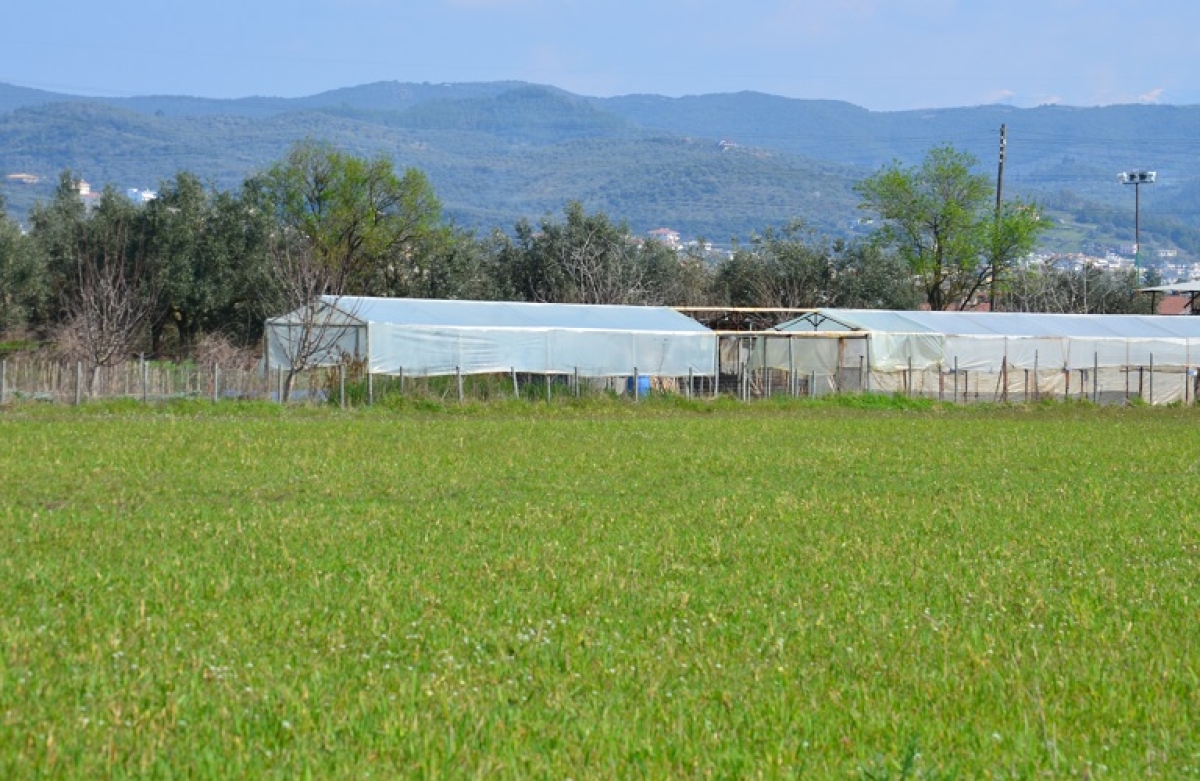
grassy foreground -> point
(600, 591)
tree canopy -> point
(939, 218)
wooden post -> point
(1096, 377)
(576, 382)
(3, 372)
(146, 379)
(370, 387)
(841, 363)
(792, 367)
(216, 382)
(1152, 378)
(547, 376)
(867, 354)
(78, 382)
(691, 381)
(717, 369)
(516, 387)
(956, 379)
(459, 381)
(1037, 394)
(342, 385)
(636, 389)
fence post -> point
(792, 367)
(636, 390)
(576, 382)
(717, 369)
(78, 382)
(1037, 391)
(3, 373)
(342, 385)
(1152, 379)
(216, 382)
(459, 381)
(1096, 377)
(691, 380)
(516, 387)
(370, 387)
(956, 379)
(145, 379)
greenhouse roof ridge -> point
(462, 313)
(999, 324)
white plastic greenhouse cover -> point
(424, 337)
(984, 341)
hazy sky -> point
(881, 54)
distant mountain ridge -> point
(719, 166)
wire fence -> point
(740, 374)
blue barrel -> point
(643, 385)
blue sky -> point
(880, 54)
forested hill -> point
(718, 166)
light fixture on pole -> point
(1137, 179)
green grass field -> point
(600, 590)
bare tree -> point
(309, 289)
(112, 299)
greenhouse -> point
(971, 356)
(426, 338)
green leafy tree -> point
(355, 216)
(105, 291)
(204, 246)
(939, 218)
(58, 228)
(794, 267)
(343, 225)
(22, 278)
(584, 259)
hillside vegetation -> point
(496, 152)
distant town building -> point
(666, 237)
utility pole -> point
(999, 202)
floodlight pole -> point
(1137, 179)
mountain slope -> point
(714, 165)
